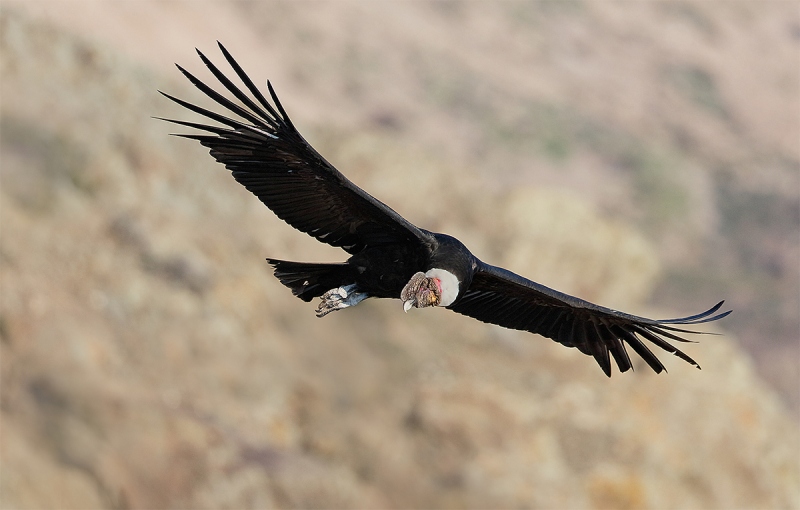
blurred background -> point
(645, 156)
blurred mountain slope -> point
(149, 359)
(678, 117)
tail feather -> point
(308, 280)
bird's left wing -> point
(267, 155)
(498, 296)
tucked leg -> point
(339, 298)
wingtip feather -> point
(706, 316)
(278, 104)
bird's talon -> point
(339, 298)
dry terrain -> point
(645, 156)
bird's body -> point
(389, 256)
(440, 257)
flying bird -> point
(389, 256)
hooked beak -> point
(407, 305)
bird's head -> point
(437, 287)
(421, 291)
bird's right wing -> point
(267, 155)
(498, 296)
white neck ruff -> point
(449, 283)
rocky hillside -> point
(149, 359)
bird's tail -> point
(309, 280)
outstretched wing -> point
(267, 155)
(501, 297)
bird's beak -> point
(407, 305)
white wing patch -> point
(449, 283)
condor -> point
(390, 257)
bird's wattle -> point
(421, 291)
(447, 284)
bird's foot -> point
(339, 298)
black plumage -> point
(390, 257)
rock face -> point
(150, 360)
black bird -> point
(390, 257)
